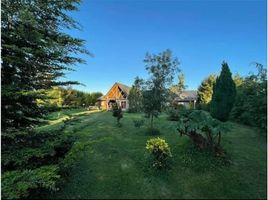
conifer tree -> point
(224, 92)
(35, 53)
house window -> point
(123, 104)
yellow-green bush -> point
(160, 153)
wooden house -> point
(187, 98)
(117, 94)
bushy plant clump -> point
(203, 130)
(160, 153)
(174, 112)
(17, 184)
(117, 113)
(138, 122)
(30, 160)
(250, 106)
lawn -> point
(113, 163)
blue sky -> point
(201, 34)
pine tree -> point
(224, 92)
(35, 53)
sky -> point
(201, 34)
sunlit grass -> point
(114, 165)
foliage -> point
(203, 130)
(174, 112)
(17, 184)
(135, 96)
(177, 89)
(117, 113)
(202, 161)
(138, 122)
(35, 54)
(59, 97)
(161, 69)
(251, 101)
(205, 91)
(159, 151)
(223, 97)
(28, 152)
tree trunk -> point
(152, 119)
(219, 139)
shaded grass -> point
(115, 165)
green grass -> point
(113, 164)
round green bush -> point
(159, 151)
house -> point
(187, 98)
(117, 94)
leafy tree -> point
(94, 97)
(238, 80)
(117, 113)
(251, 100)
(178, 88)
(135, 96)
(35, 53)
(70, 97)
(224, 92)
(161, 69)
(205, 90)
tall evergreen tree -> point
(224, 92)
(35, 53)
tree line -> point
(226, 97)
(250, 102)
(59, 97)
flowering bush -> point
(159, 152)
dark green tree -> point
(250, 106)
(94, 97)
(35, 53)
(117, 113)
(135, 96)
(161, 68)
(223, 96)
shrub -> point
(17, 184)
(152, 131)
(203, 130)
(173, 113)
(117, 112)
(138, 122)
(159, 152)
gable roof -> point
(123, 87)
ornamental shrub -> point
(117, 112)
(159, 152)
(18, 184)
(138, 122)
